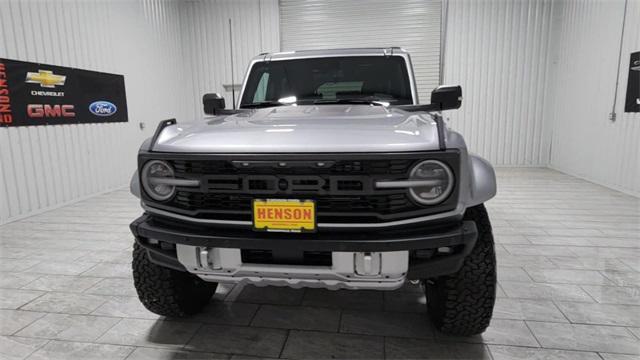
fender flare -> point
(483, 180)
(134, 185)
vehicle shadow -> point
(278, 322)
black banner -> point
(34, 94)
(632, 103)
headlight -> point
(437, 179)
(153, 174)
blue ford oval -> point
(102, 108)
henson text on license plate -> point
(284, 215)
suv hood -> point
(305, 129)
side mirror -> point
(213, 103)
(446, 97)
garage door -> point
(411, 24)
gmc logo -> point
(50, 111)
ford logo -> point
(102, 108)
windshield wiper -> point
(349, 101)
(263, 104)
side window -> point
(261, 89)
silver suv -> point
(329, 174)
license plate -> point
(284, 215)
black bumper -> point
(422, 242)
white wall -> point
(583, 73)
(498, 51)
(46, 166)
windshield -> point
(328, 80)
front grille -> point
(344, 190)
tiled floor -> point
(568, 255)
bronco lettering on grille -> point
(268, 184)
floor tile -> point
(321, 345)
(614, 294)
(150, 333)
(297, 317)
(588, 263)
(619, 357)
(544, 291)
(64, 283)
(12, 321)
(585, 337)
(12, 252)
(601, 314)
(521, 353)
(17, 264)
(564, 276)
(59, 255)
(60, 268)
(68, 327)
(113, 286)
(527, 309)
(271, 295)
(623, 278)
(124, 306)
(238, 340)
(500, 332)
(635, 331)
(344, 299)
(109, 256)
(386, 324)
(525, 260)
(633, 262)
(65, 350)
(510, 273)
(13, 299)
(68, 303)
(405, 301)
(227, 313)
(16, 280)
(17, 348)
(249, 357)
(142, 353)
(540, 250)
(559, 240)
(109, 270)
(511, 239)
(402, 348)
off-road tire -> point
(462, 303)
(166, 291)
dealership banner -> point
(34, 94)
(632, 103)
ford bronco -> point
(329, 174)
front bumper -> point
(399, 254)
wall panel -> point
(411, 24)
(46, 166)
(584, 71)
(498, 51)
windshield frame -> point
(266, 58)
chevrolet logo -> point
(45, 78)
